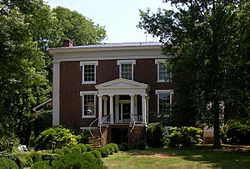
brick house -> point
(115, 88)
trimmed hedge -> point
(77, 161)
(154, 135)
(105, 152)
(82, 147)
(89, 147)
(7, 164)
(124, 147)
(115, 147)
(96, 153)
(41, 165)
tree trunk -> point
(216, 109)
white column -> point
(132, 100)
(117, 108)
(144, 108)
(111, 108)
(56, 93)
(99, 109)
(105, 106)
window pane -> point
(164, 102)
(126, 71)
(164, 73)
(89, 73)
(89, 105)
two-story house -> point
(115, 88)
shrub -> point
(141, 145)
(22, 160)
(104, 151)
(7, 164)
(115, 146)
(49, 157)
(66, 150)
(111, 148)
(89, 147)
(36, 156)
(76, 149)
(77, 161)
(124, 147)
(236, 132)
(41, 165)
(82, 147)
(184, 136)
(59, 151)
(62, 137)
(4, 140)
(96, 153)
(84, 137)
(154, 135)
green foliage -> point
(66, 150)
(154, 135)
(36, 156)
(49, 156)
(78, 161)
(59, 151)
(124, 147)
(236, 132)
(84, 137)
(141, 145)
(111, 148)
(22, 160)
(83, 147)
(88, 147)
(183, 136)
(105, 152)
(115, 147)
(96, 154)
(41, 165)
(62, 137)
(76, 149)
(7, 164)
(5, 139)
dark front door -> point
(126, 112)
(119, 135)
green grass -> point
(185, 158)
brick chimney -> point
(68, 43)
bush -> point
(124, 147)
(62, 137)
(104, 151)
(115, 147)
(236, 132)
(36, 156)
(59, 151)
(184, 136)
(154, 135)
(23, 160)
(111, 148)
(7, 164)
(89, 147)
(96, 153)
(78, 161)
(82, 147)
(49, 157)
(41, 165)
(4, 140)
(84, 137)
(141, 145)
(66, 150)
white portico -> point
(122, 101)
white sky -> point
(119, 17)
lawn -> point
(184, 158)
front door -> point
(125, 112)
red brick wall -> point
(145, 71)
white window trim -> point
(133, 62)
(158, 62)
(88, 93)
(157, 92)
(88, 63)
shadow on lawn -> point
(224, 159)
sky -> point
(119, 17)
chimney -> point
(68, 43)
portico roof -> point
(122, 86)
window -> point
(163, 73)
(164, 100)
(126, 69)
(89, 72)
(88, 104)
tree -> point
(208, 44)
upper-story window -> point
(89, 72)
(163, 73)
(126, 69)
